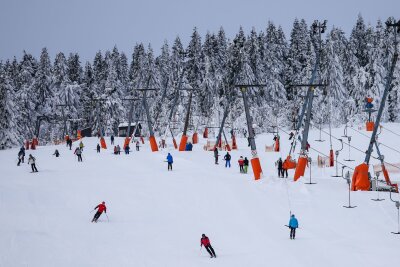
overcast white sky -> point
(86, 26)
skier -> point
(32, 161)
(21, 155)
(118, 149)
(137, 145)
(241, 163)
(78, 152)
(293, 224)
(112, 139)
(216, 155)
(227, 159)
(204, 241)
(67, 140)
(100, 208)
(69, 143)
(284, 171)
(245, 164)
(308, 146)
(115, 150)
(98, 148)
(189, 147)
(81, 146)
(280, 167)
(56, 153)
(127, 149)
(170, 160)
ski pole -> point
(107, 217)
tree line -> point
(33, 90)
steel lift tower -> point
(361, 179)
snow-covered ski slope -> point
(156, 217)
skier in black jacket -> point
(227, 159)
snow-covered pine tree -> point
(8, 122)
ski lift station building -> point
(123, 129)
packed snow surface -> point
(156, 217)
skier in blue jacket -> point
(170, 160)
(293, 224)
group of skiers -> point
(31, 159)
(281, 170)
(204, 240)
(243, 163)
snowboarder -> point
(112, 139)
(127, 149)
(216, 155)
(32, 161)
(280, 167)
(227, 159)
(137, 145)
(245, 164)
(21, 155)
(293, 224)
(170, 160)
(81, 146)
(241, 164)
(56, 153)
(100, 208)
(204, 241)
(98, 148)
(78, 152)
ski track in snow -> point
(157, 217)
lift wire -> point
(388, 163)
(356, 148)
(390, 131)
(283, 130)
(379, 143)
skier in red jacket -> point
(241, 164)
(100, 208)
(204, 241)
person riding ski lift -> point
(170, 160)
(293, 225)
